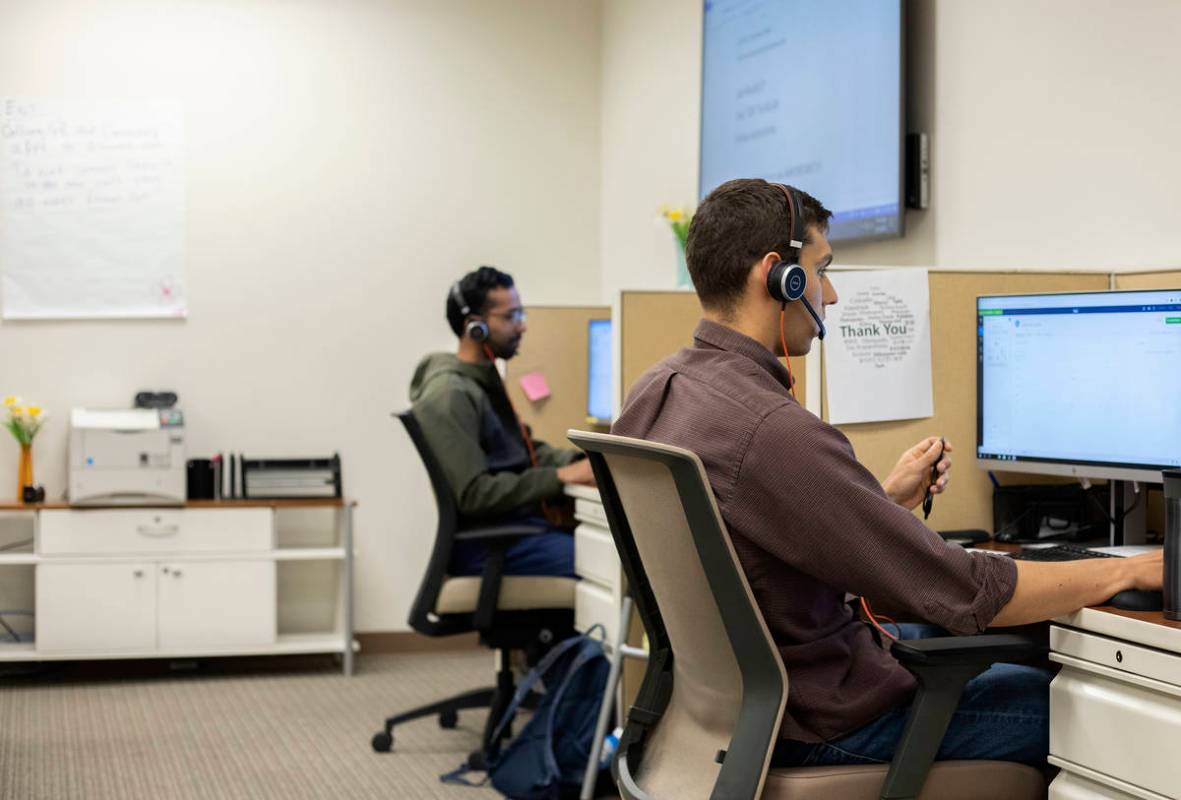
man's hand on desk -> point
(578, 472)
(1147, 571)
(910, 480)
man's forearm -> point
(1048, 589)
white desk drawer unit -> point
(595, 605)
(594, 555)
(150, 531)
(1115, 711)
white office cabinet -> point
(96, 607)
(185, 582)
(215, 604)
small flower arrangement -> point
(678, 219)
(23, 420)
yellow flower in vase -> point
(678, 219)
(24, 421)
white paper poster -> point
(877, 354)
(92, 208)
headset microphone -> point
(820, 330)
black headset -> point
(787, 280)
(477, 329)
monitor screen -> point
(1080, 384)
(598, 377)
(809, 94)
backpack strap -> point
(535, 675)
(586, 656)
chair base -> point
(494, 698)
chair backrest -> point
(707, 637)
(422, 617)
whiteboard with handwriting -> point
(92, 208)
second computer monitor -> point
(598, 379)
(1084, 384)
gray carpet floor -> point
(283, 734)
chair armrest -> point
(498, 538)
(983, 650)
(942, 667)
(499, 532)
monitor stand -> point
(1130, 528)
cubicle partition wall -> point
(555, 345)
(654, 324)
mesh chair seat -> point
(517, 593)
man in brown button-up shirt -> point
(810, 523)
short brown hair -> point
(738, 223)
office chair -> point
(707, 715)
(509, 612)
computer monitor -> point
(1086, 385)
(598, 372)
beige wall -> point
(346, 161)
(1053, 129)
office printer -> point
(127, 457)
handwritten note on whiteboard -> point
(92, 208)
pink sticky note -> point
(535, 386)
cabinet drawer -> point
(590, 511)
(595, 605)
(594, 555)
(149, 531)
(1138, 661)
(1116, 724)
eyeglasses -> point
(513, 315)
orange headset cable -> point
(786, 356)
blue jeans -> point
(1003, 715)
(549, 553)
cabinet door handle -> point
(157, 530)
(139, 573)
(176, 573)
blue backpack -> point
(547, 759)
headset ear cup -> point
(786, 282)
(795, 283)
(477, 330)
(774, 281)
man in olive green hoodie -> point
(460, 402)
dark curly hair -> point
(474, 288)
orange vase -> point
(25, 473)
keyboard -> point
(1059, 552)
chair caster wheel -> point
(383, 742)
(448, 719)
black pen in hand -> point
(929, 499)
